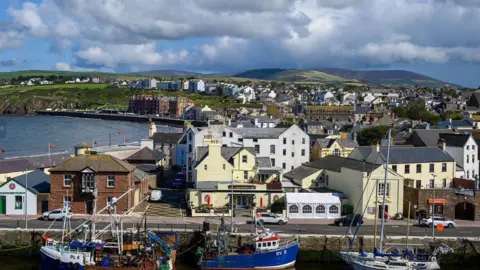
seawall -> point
(123, 117)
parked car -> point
(347, 220)
(271, 218)
(438, 220)
(57, 214)
(156, 195)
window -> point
(111, 181)
(432, 168)
(320, 209)
(88, 181)
(303, 140)
(293, 209)
(303, 152)
(205, 167)
(432, 183)
(468, 161)
(224, 134)
(333, 209)
(269, 244)
(444, 183)
(255, 140)
(407, 169)
(284, 165)
(230, 135)
(394, 167)
(284, 152)
(273, 162)
(468, 174)
(444, 167)
(381, 189)
(224, 167)
(293, 142)
(307, 209)
(473, 158)
(468, 147)
(67, 180)
(244, 159)
(418, 184)
(284, 140)
(190, 136)
(67, 201)
(240, 139)
(293, 154)
(18, 202)
(245, 175)
(264, 244)
(419, 168)
(257, 149)
(293, 167)
(272, 149)
(473, 147)
(190, 148)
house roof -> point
(166, 138)
(311, 197)
(259, 133)
(38, 181)
(334, 163)
(455, 123)
(97, 162)
(245, 123)
(300, 172)
(263, 162)
(31, 163)
(290, 184)
(455, 140)
(402, 154)
(429, 137)
(226, 152)
(146, 154)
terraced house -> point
(331, 113)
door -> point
(89, 207)
(3, 205)
(381, 212)
(44, 206)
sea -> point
(33, 135)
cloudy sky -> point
(439, 38)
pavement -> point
(295, 226)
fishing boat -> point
(143, 250)
(267, 251)
(405, 260)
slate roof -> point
(226, 152)
(403, 154)
(246, 124)
(259, 133)
(38, 181)
(31, 163)
(300, 172)
(454, 140)
(334, 163)
(97, 162)
(263, 162)
(454, 123)
(166, 138)
(146, 154)
(429, 137)
(347, 143)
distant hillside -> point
(385, 77)
(293, 75)
(165, 73)
(46, 73)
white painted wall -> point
(10, 199)
(460, 154)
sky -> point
(438, 38)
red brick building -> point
(76, 179)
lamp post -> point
(433, 208)
(231, 204)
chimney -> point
(214, 148)
(146, 143)
(444, 145)
(152, 129)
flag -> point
(2, 150)
(120, 132)
(95, 143)
(51, 145)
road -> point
(320, 229)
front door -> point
(380, 211)
(44, 206)
(3, 205)
(89, 207)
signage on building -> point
(437, 201)
(11, 186)
(241, 187)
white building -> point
(287, 148)
(312, 205)
(464, 149)
(196, 86)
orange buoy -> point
(440, 227)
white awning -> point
(312, 198)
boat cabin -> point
(267, 241)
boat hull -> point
(51, 260)
(369, 262)
(275, 259)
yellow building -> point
(332, 147)
(426, 166)
(350, 177)
(219, 170)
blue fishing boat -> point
(267, 251)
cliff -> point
(14, 105)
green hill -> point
(295, 75)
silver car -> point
(271, 218)
(438, 220)
(57, 214)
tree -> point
(371, 135)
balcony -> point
(87, 190)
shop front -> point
(12, 199)
(436, 207)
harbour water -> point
(31, 135)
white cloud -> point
(30, 18)
(10, 37)
(63, 66)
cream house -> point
(332, 147)
(427, 166)
(220, 170)
(351, 177)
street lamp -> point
(433, 207)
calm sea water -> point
(27, 135)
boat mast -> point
(382, 228)
(95, 193)
(376, 217)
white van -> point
(156, 195)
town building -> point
(30, 191)
(196, 86)
(332, 147)
(158, 105)
(79, 178)
(330, 113)
(167, 143)
(464, 149)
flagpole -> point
(26, 206)
(48, 149)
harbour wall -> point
(313, 248)
(123, 117)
